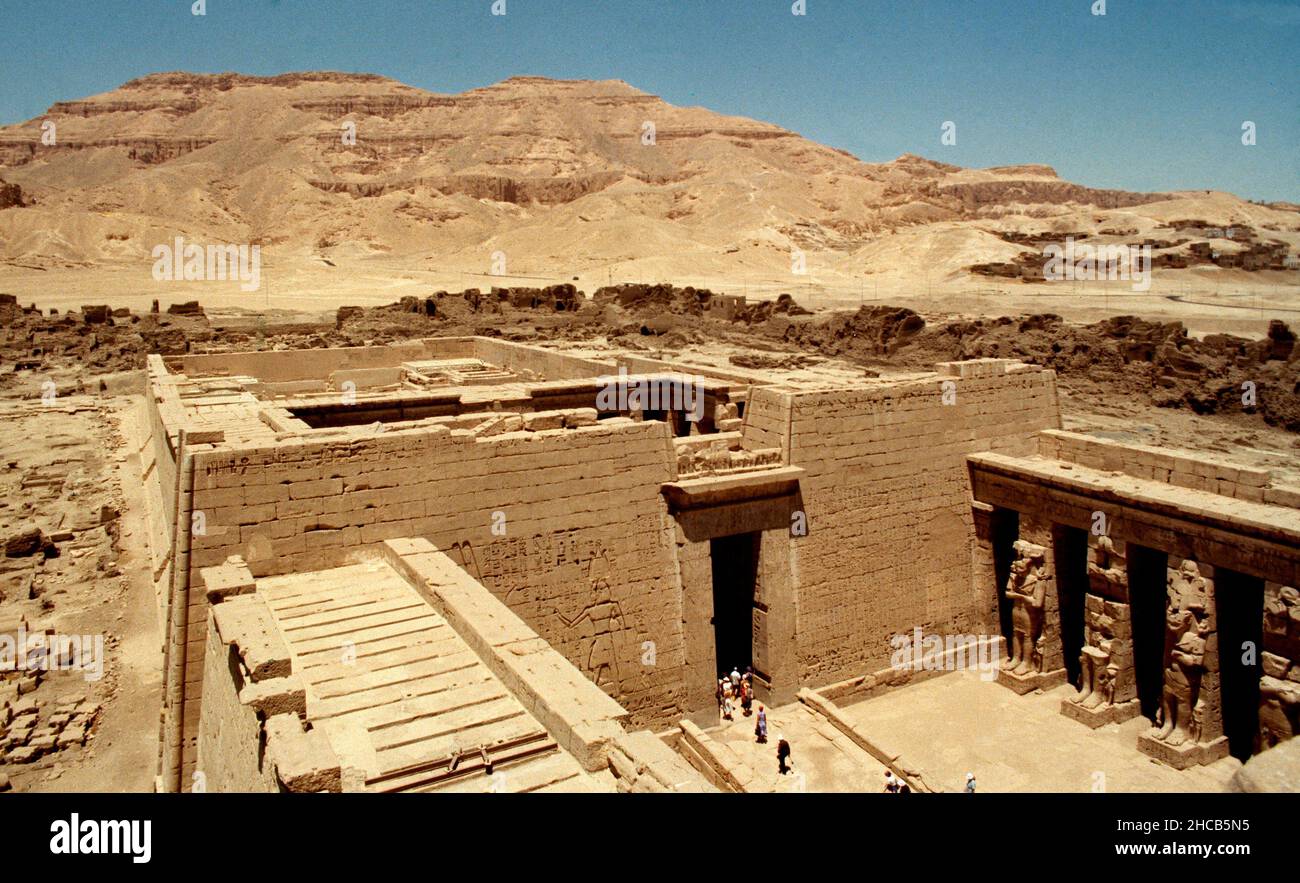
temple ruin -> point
(469, 564)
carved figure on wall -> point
(1185, 629)
(1097, 674)
(1108, 676)
(1027, 591)
(1279, 713)
(604, 616)
(1106, 563)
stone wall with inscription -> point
(566, 526)
(887, 498)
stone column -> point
(1190, 728)
(984, 568)
(1036, 660)
(1279, 687)
(697, 614)
(1108, 692)
(775, 655)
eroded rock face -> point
(27, 541)
(459, 163)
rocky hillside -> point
(331, 166)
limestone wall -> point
(230, 747)
(252, 734)
(281, 366)
(565, 526)
(546, 363)
(887, 497)
(1196, 471)
(163, 409)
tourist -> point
(903, 787)
(970, 783)
(891, 784)
(727, 704)
(783, 755)
(760, 728)
(735, 679)
(722, 706)
(747, 697)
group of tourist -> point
(737, 688)
(895, 784)
(734, 689)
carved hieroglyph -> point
(1027, 589)
(1279, 687)
(564, 585)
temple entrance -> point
(735, 570)
(1239, 605)
(1148, 581)
(1070, 550)
(1005, 528)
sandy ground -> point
(958, 723)
(1206, 301)
(77, 436)
(824, 759)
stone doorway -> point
(1004, 528)
(1148, 580)
(1239, 605)
(734, 561)
(1070, 548)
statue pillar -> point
(1108, 690)
(1279, 685)
(1035, 659)
(1189, 729)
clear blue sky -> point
(1151, 96)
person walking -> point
(891, 784)
(783, 755)
(970, 783)
(760, 727)
(747, 697)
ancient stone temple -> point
(411, 567)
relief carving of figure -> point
(601, 619)
(1098, 675)
(1185, 630)
(1027, 591)
(1279, 715)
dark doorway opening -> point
(1070, 551)
(1239, 605)
(1004, 525)
(1148, 580)
(735, 571)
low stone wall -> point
(1197, 472)
(863, 687)
(252, 731)
(641, 762)
(717, 762)
(885, 754)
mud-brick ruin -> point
(466, 564)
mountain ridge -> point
(554, 172)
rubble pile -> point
(31, 729)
